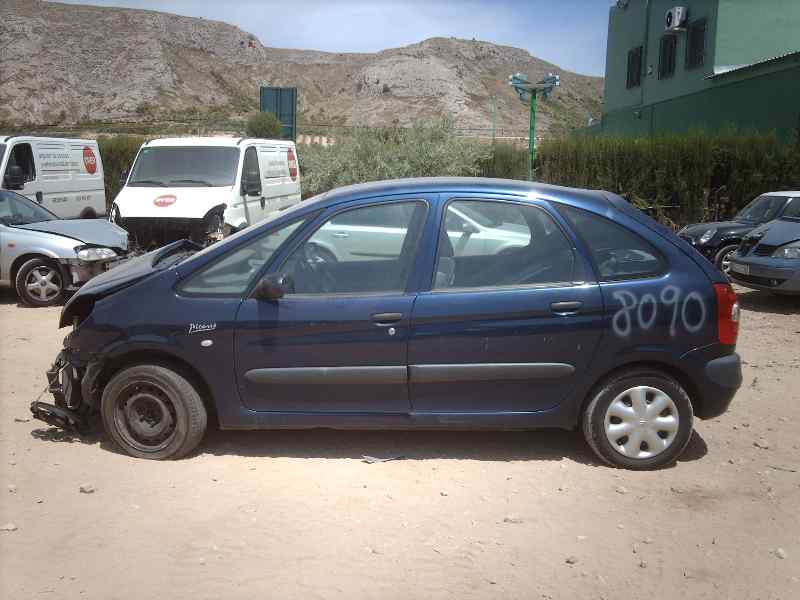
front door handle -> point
(386, 318)
(263, 202)
(566, 308)
(39, 197)
(341, 234)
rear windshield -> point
(185, 166)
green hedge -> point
(705, 176)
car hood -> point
(695, 230)
(95, 232)
(170, 202)
(125, 274)
(777, 232)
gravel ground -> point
(464, 515)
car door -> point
(504, 331)
(337, 342)
(255, 202)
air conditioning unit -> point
(676, 17)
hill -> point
(63, 64)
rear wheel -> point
(153, 412)
(639, 420)
(39, 283)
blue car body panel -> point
(457, 358)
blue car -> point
(363, 309)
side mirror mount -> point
(273, 287)
(14, 178)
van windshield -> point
(185, 166)
(2, 151)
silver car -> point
(45, 257)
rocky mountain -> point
(62, 64)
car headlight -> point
(707, 235)
(789, 251)
(89, 254)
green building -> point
(674, 66)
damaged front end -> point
(148, 233)
(74, 389)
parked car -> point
(604, 320)
(64, 176)
(719, 240)
(45, 257)
(204, 188)
(769, 257)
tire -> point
(622, 452)
(723, 256)
(39, 282)
(153, 412)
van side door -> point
(252, 187)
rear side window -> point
(617, 252)
(486, 244)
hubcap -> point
(641, 422)
(145, 417)
(43, 283)
(726, 261)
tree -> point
(264, 125)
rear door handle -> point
(386, 318)
(566, 308)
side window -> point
(666, 56)
(617, 252)
(506, 244)
(232, 274)
(22, 156)
(696, 45)
(251, 173)
(793, 210)
(634, 78)
(367, 249)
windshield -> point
(2, 151)
(186, 166)
(18, 210)
(762, 209)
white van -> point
(203, 188)
(65, 176)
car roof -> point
(467, 185)
(222, 141)
(784, 193)
(5, 139)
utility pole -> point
(528, 93)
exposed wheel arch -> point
(88, 213)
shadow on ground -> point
(765, 302)
(408, 445)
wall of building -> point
(763, 97)
(750, 31)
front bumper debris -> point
(64, 384)
(81, 271)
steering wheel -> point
(312, 266)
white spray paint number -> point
(642, 311)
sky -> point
(569, 33)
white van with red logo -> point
(65, 176)
(203, 188)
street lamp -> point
(528, 93)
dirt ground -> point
(464, 515)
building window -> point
(634, 68)
(666, 56)
(696, 45)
